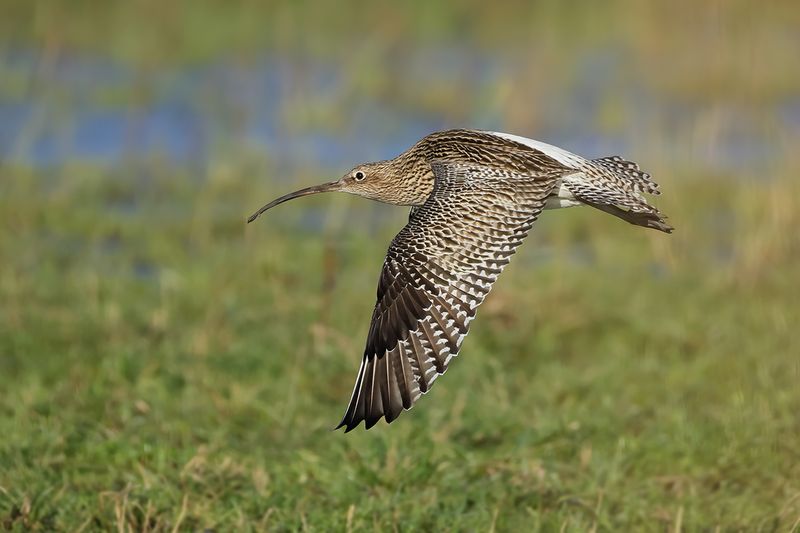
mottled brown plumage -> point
(474, 197)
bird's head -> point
(375, 181)
(382, 181)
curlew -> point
(474, 196)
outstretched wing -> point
(438, 270)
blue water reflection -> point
(93, 108)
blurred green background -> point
(163, 367)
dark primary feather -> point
(438, 270)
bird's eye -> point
(359, 176)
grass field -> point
(164, 367)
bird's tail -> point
(629, 171)
(618, 188)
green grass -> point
(163, 366)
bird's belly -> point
(561, 197)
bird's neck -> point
(414, 177)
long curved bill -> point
(325, 187)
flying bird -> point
(474, 196)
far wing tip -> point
(347, 425)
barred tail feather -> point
(630, 171)
(620, 194)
